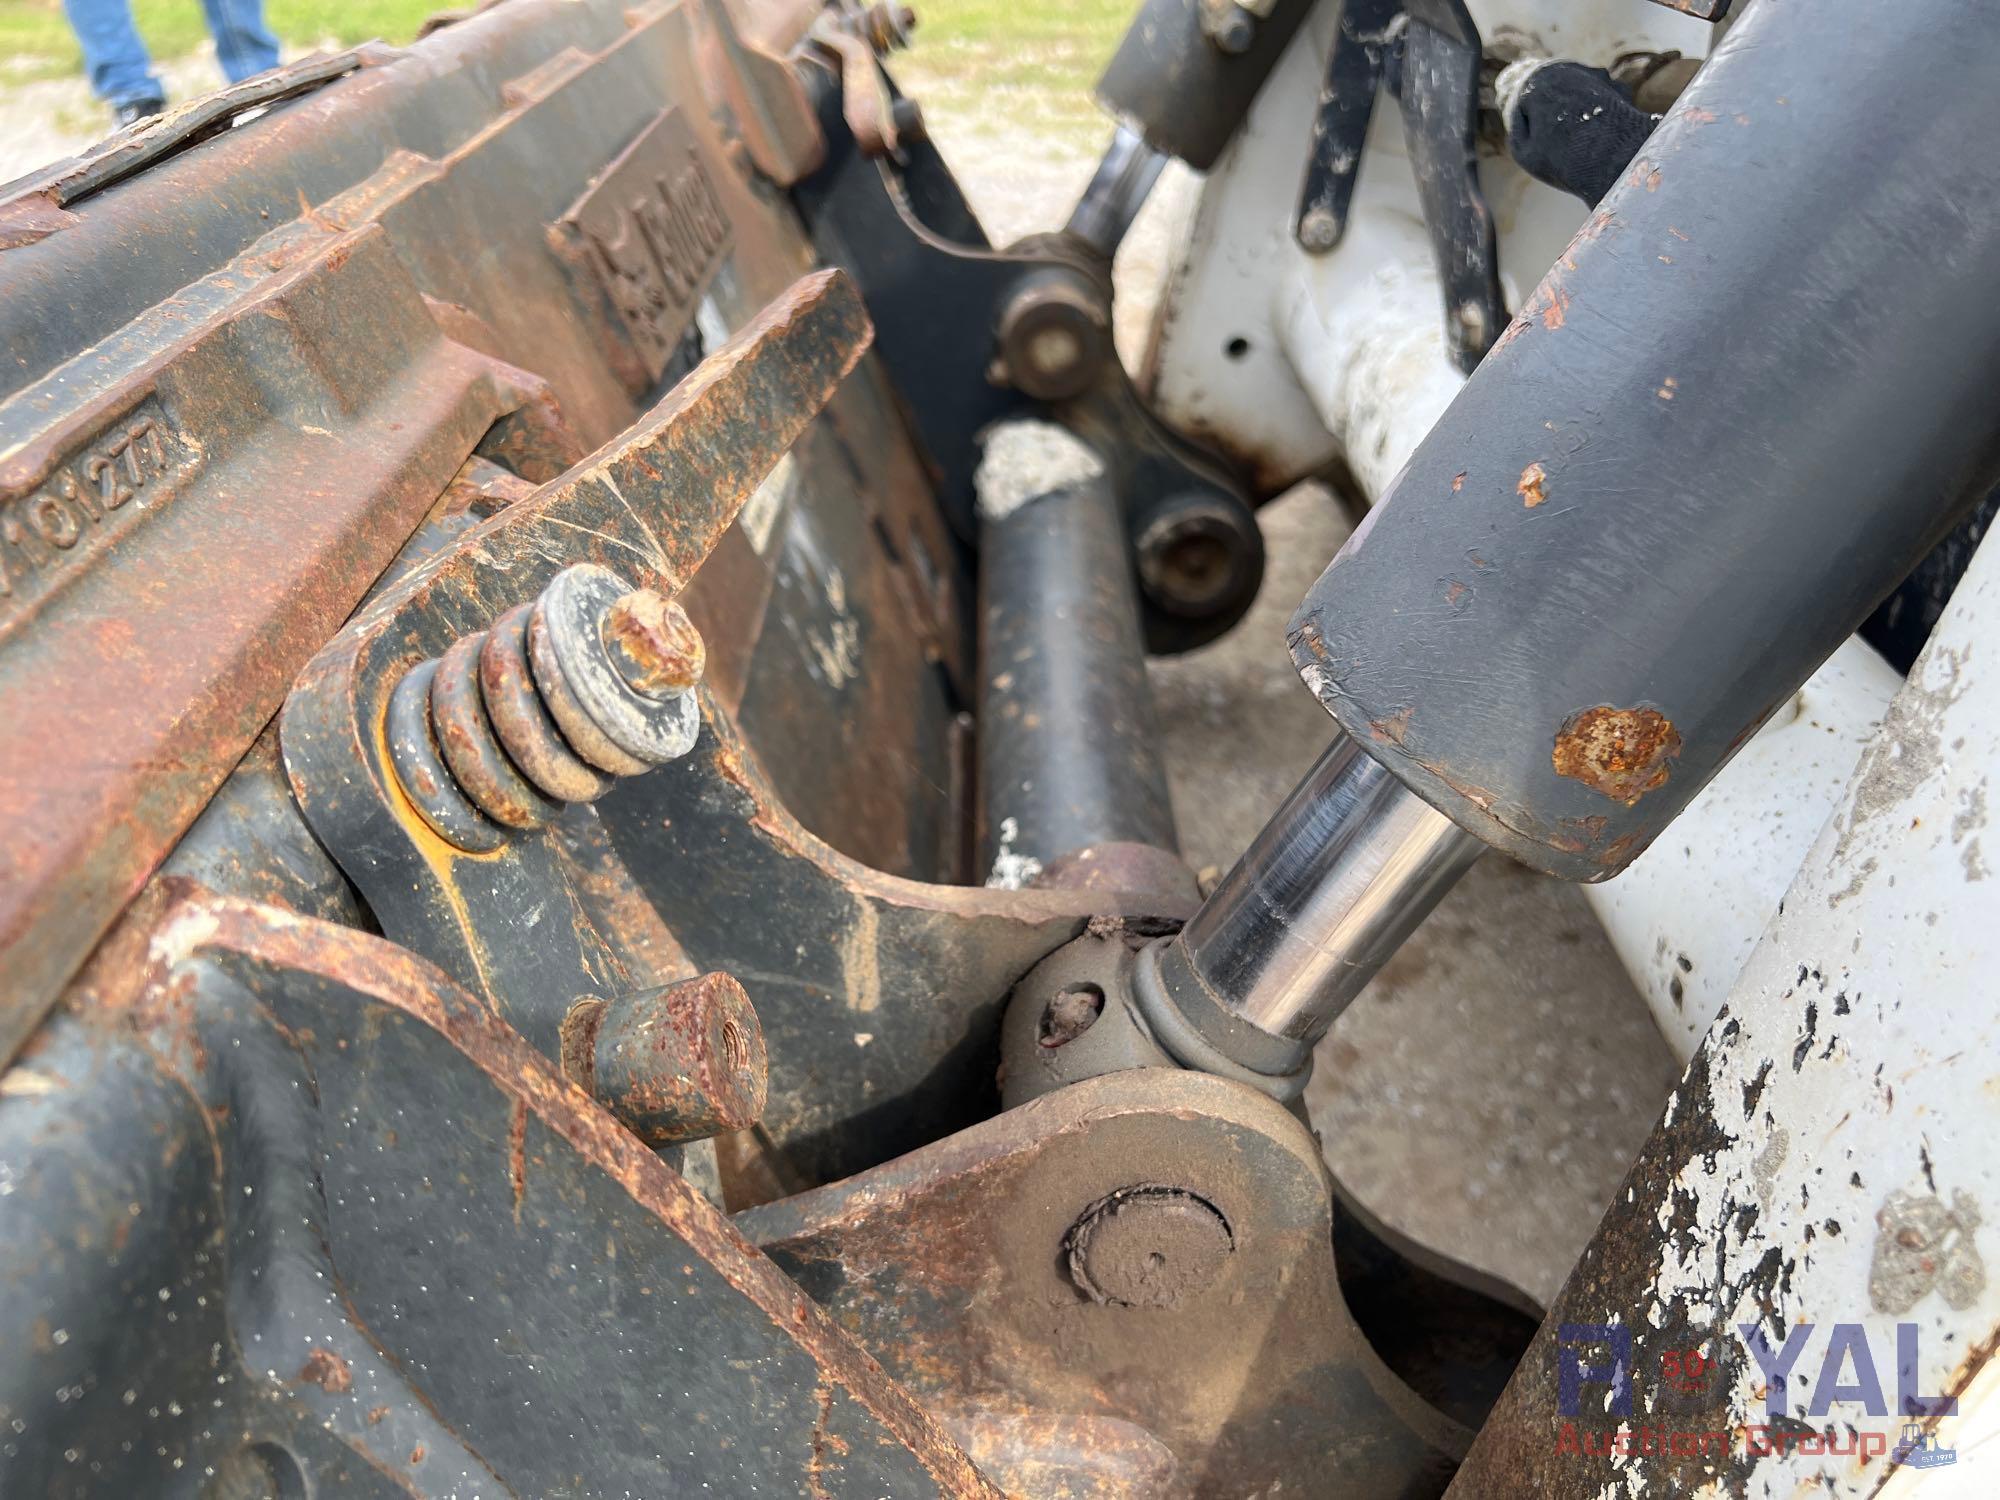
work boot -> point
(139, 109)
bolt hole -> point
(1197, 567)
(1071, 1013)
(1237, 347)
(734, 1050)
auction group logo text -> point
(1598, 1358)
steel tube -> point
(1068, 740)
(1183, 91)
(1117, 192)
(1343, 873)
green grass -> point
(1021, 43)
(35, 38)
(1034, 60)
(1056, 44)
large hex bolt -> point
(1148, 1246)
(591, 681)
(674, 1065)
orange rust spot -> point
(1667, 388)
(417, 1454)
(1458, 481)
(1620, 753)
(517, 1155)
(1547, 304)
(376, 1414)
(1699, 116)
(328, 1371)
(730, 763)
(1678, 235)
(1391, 730)
(1646, 175)
(1530, 489)
(1454, 591)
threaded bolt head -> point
(1235, 31)
(1319, 231)
(653, 644)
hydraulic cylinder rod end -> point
(1344, 872)
(1117, 191)
(1730, 419)
(1184, 84)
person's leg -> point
(114, 57)
(243, 43)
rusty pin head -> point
(653, 644)
(1148, 1246)
(673, 1065)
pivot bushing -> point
(1055, 335)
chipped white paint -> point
(1853, 1084)
(833, 642)
(861, 959)
(836, 649)
(1020, 460)
(1011, 869)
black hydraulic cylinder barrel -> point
(1756, 389)
(1187, 71)
(1069, 744)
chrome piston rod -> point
(1341, 875)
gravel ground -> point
(1485, 1094)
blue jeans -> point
(122, 73)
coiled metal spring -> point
(591, 681)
